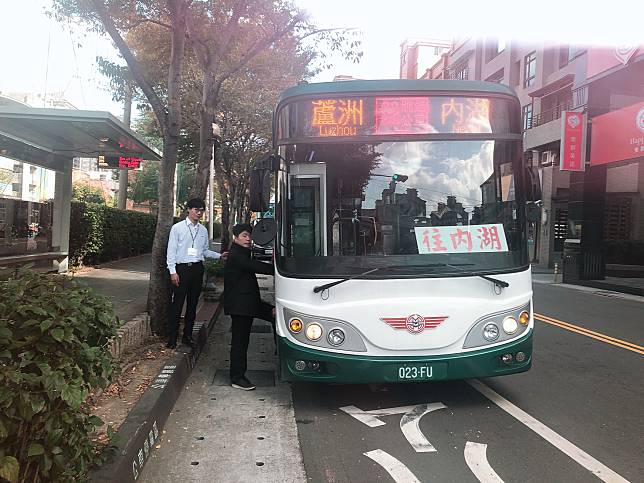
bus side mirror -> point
(260, 182)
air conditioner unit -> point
(548, 158)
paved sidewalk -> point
(218, 434)
(125, 282)
(623, 285)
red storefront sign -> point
(618, 135)
(572, 151)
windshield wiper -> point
(319, 288)
(495, 281)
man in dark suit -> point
(242, 301)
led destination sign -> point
(121, 162)
(402, 115)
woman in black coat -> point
(242, 301)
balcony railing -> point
(580, 97)
(551, 114)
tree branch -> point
(134, 65)
(259, 46)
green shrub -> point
(100, 233)
(213, 268)
(53, 351)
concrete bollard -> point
(556, 274)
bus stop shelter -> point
(37, 147)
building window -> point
(527, 116)
(567, 53)
(494, 47)
(461, 72)
(529, 69)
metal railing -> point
(580, 97)
(551, 114)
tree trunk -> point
(159, 291)
(206, 138)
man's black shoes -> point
(243, 384)
(171, 345)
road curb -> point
(143, 426)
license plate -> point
(421, 372)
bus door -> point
(307, 202)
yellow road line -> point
(589, 333)
(599, 334)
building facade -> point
(416, 56)
(597, 212)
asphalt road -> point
(576, 416)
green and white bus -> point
(400, 211)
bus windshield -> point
(429, 208)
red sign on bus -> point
(401, 115)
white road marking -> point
(409, 425)
(477, 461)
(398, 471)
(600, 470)
(370, 418)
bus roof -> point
(395, 85)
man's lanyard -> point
(193, 236)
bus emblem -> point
(415, 323)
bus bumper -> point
(356, 369)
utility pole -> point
(127, 116)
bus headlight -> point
(313, 332)
(499, 327)
(510, 325)
(491, 332)
(335, 337)
(295, 325)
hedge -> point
(100, 233)
(53, 352)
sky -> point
(37, 54)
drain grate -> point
(607, 294)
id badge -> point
(192, 252)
